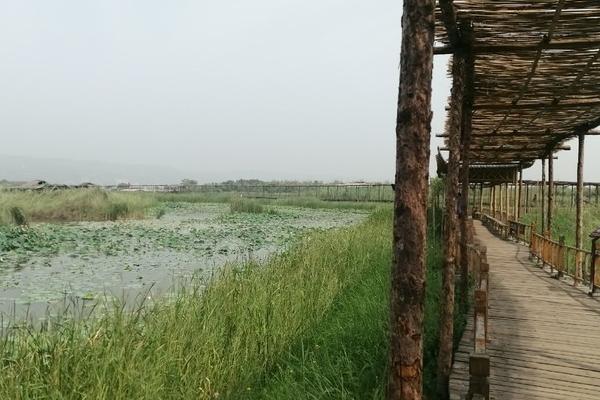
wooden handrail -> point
(479, 360)
(563, 259)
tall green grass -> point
(310, 323)
(74, 205)
(99, 205)
(564, 222)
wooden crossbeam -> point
(540, 105)
(513, 135)
(501, 149)
(592, 132)
(513, 48)
(584, 128)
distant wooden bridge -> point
(543, 334)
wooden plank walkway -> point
(544, 334)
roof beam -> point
(524, 48)
(511, 135)
(500, 149)
(588, 128)
(536, 106)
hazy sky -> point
(271, 89)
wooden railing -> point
(518, 231)
(565, 260)
(495, 226)
(479, 360)
(579, 264)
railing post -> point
(561, 262)
(532, 231)
(594, 259)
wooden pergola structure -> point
(525, 78)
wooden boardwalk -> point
(544, 334)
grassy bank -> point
(311, 323)
(73, 205)
(99, 205)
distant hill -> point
(23, 168)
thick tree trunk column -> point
(550, 192)
(413, 128)
(579, 213)
(493, 200)
(467, 117)
(451, 229)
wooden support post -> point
(507, 201)
(444, 361)
(579, 210)
(413, 129)
(480, 197)
(542, 196)
(467, 117)
(526, 198)
(595, 254)
(501, 201)
(572, 196)
(520, 197)
(493, 200)
(550, 193)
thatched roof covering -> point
(536, 72)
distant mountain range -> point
(23, 168)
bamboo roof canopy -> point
(486, 173)
(536, 72)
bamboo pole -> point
(542, 196)
(493, 200)
(579, 211)
(501, 195)
(519, 200)
(550, 193)
(507, 200)
(413, 130)
(480, 197)
(526, 198)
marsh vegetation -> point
(235, 298)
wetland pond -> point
(47, 266)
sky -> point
(270, 89)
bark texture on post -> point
(451, 229)
(413, 127)
(579, 213)
(550, 193)
(467, 117)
